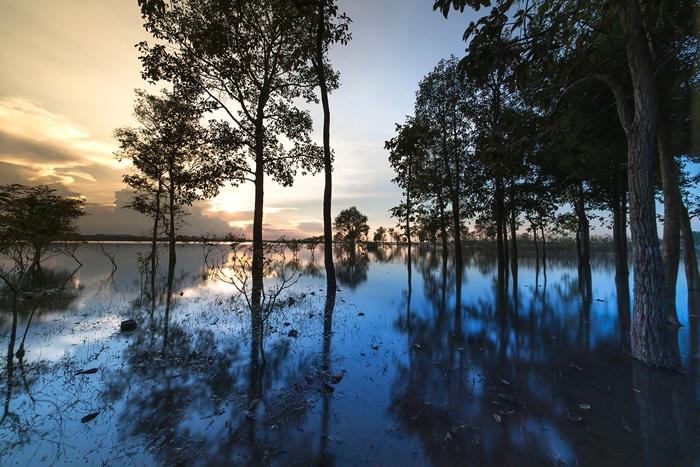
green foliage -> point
(351, 226)
(38, 217)
(172, 154)
(380, 235)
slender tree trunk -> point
(457, 231)
(327, 160)
(443, 227)
(172, 259)
(647, 337)
(513, 241)
(537, 249)
(671, 243)
(583, 226)
(690, 259)
(154, 243)
(498, 214)
(617, 206)
(258, 258)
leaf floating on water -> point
(573, 417)
(497, 417)
(599, 300)
(335, 379)
(505, 382)
(287, 323)
(374, 347)
(293, 333)
(360, 314)
(584, 406)
(86, 372)
(87, 418)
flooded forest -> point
(415, 363)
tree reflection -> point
(351, 266)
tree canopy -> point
(38, 217)
(351, 226)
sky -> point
(67, 80)
(68, 75)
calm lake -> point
(431, 367)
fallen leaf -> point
(573, 417)
(87, 372)
(505, 382)
(374, 347)
(360, 314)
(87, 418)
(584, 406)
(497, 417)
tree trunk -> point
(537, 249)
(583, 226)
(513, 241)
(498, 214)
(457, 231)
(331, 283)
(172, 257)
(443, 228)
(647, 334)
(690, 259)
(258, 258)
(618, 208)
(671, 246)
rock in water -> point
(128, 326)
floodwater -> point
(419, 366)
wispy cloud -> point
(41, 147)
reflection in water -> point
(414, 361)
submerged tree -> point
(324, 32)
(559, 37)
(249, 62)
(38, 217)
(173, 158)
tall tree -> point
(322, 14)
(247, 59)
(560, 36)
(444, 103)
(173, 158)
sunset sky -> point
(67, 80)
(69, 70)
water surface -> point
(424, 365)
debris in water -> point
(360, 314)
(573, 417)
(86, 372)
(87, 418)
(497, 417)
(335, 379)
(584, 406)
(374, 347)
(293, 333)
(128, 325)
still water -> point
(424, 365)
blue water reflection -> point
(416, 364)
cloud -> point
(40, 147)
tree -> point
(321, 14)
(351, 226)
(251, 62)
(174, 162)
(379, 235)
(38, 217)
(559, 36)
